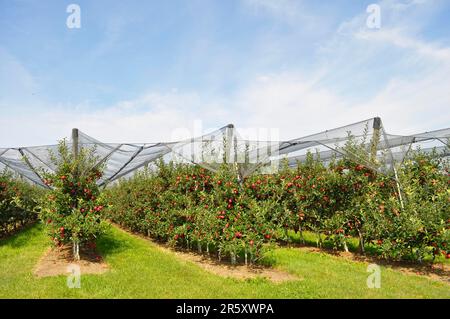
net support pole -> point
(75, 147)
(228, 141)
(247, 153)
(76, 245)
(193, 150)
(375, 139)
(75, 142)
(397, 181)
(236, 160)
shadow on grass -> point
(311, 240)
(109, 244)
(21, 237)
(372, 255)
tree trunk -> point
(319, 240)
(286, 234)
(246, 256)
(361, 243)
(76, 250)
(345, 246)
(301, 236)
(233, 258)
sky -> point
(138, 71)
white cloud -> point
(291, 12)
(413, 106)
(409, 92)
(406, 79)
(288, 102)
(397, 38)
(283, 8)
(152, 117)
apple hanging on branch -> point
(72, 209)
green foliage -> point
(190, 207)
(422, 226)
(72, 208)
(18, 203)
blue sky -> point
(138, 70)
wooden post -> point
(257, 153)
(375, 139)
(75, 142)
(224, 145)
(229, 140)
(75, 149)
(236, 160)
(227, 136)
(247, 153)
(76, 245)
(202, 145)
(193, 150)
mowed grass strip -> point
(139, 269)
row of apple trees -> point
(191, 207)
(18, 203)
(406, 217)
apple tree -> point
(72, 208)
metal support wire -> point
(17, 172)
(32, 167)
(395, 170)
(325, 139)
(38, 158)
(366, 162)
(143, 164)
(395, 179)
(439, 139)
(124, 165)
(105, 158)
(407, 151)
(6, 150)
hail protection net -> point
(381, 151)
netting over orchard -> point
(226, 146)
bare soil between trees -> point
(59, 261)
(56, 261)
(438, 272)
(223, 268)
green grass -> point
(141, 270)
(311, 239)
